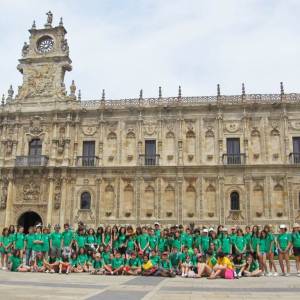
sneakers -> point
(269, 274)
(4, 268)
(287, 275)
(275, 274)
(298, 274)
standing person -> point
(214, 239)
(46, 242)
(143, 241)
(67, 238)
(254, 241)
(12, 235)
(157, 230)
(55, 241)
(19, 243)
(296, 246)
(29, 238)
(91, 241)
(37, 242)
(262, 252)
(284, 245)
(5, 248)
(239, 242)
(122, 240)
(247, 237)
(107, 240)
(226, 246)
(270, 248)
(153, 240)
(205, 242)
(99, 236)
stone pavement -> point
(85, 286)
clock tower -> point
(44, 63)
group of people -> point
(152, 250)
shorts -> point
(296, 251)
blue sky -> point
(125, 46)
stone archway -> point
(29, 218)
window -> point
(234, 201)
(150, 152)
(296, 149)
(88, 153)
(233, 151)
(85, 200)
(35, 147)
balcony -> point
(87, 161)
(32, 161)
(149, 160)
(234, 159)
(294, 158)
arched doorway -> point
(29, 218)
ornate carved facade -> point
(220, 159)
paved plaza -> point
(85, 286)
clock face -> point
(45, 44)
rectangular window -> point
(233, 151)
(88, 153)
(296, 149)
(150, 152)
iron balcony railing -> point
(87, 161)
(149, 160)
(294, 158)
(234, 159)
(28, 161)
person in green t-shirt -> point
(296, 245)
(143, 241)
(38, 263)
(204, 242)
(67, 239)
(5, 247)
(165, 267)
(133, 265)
(270, 247)
(239, 242)
(29, 238)
(107, 240)
(52, 263)
(247, 237)
(82, 260)
(153, 240)
(175, 258)
(46, 242)
(204, 269)
(38, 241)
(262, 251)
(19, 243)
(117, 264)
(157, 230)
(56, 241)
(254, 240)
(97, 265)
(251, 268)
(15, 262)
(226, 246)
(284, 244)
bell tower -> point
(44, 63)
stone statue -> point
(49, 18)
(25, 49)
(65, 46)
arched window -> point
(234, 201)
(35, 147)
(85, 200)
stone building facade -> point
(207, 160)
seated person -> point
(64, 265)
(15, 263)
(97, 265)
(187, 268)
(74, 264)
(239, 263)
(133, 265)
(52, 264)
(206, 268)
(117, 264)
(38, 263)
(147, 267)
(165, 266)
(82, 261)
(223, 263)
(251, 268)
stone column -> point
(9, 201)
(63, 201)
(50, 199)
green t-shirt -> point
(247, 237)
(37, 247)
(239, 243)
(56, 238)
(296, 239)
(254, 266)
(45, 239)
(143, 240)
(130, 244)
(15, 263)
(67, 238)
(121, 239)
(254, 242)
(197, 241)
(106, 258)
(217, 243)
(175, 259)
(269, 239)
(107, 239)
(81, 239)
(205, 240)
(233, 237)
(98, 264)
(165, 264)
(225, 244)
(155, 259)
(117, 262)
(153, 240)
(262, 244)
(74, 262)
(20, 241)
(39, 262)
(162, 244)
(133, 262)
(283, 240)
(82, 259)
(157, 233)
(176, 243)
(188, 242)
(29, 238)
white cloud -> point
(124, 46)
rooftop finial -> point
(159, 92)
(61, 23)
(3, 100)
(33, 25)
(141, 94)
(103, 95)
(10, 92)
(49, 19)
(72, 88)
(179, 92)
(281, 88)
(79, 95)
(218, 90)
(243, 89)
